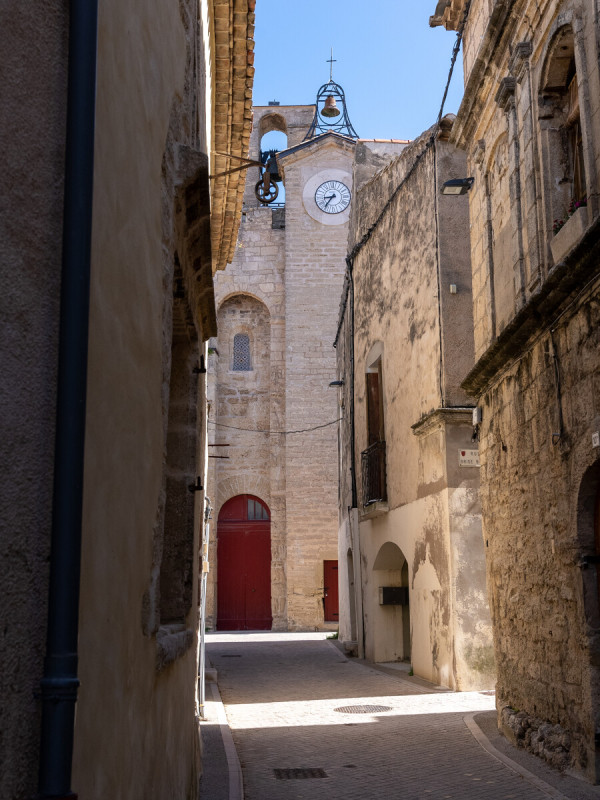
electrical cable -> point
(274, 433)
(431, 140)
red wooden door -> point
(330, 595)
(244, 565)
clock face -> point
(333, 197)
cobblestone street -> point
(309, 723)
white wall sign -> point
(468, 458)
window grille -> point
(241, 353)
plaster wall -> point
(429, 525)
(136, 732)
(33, 61)
(147, 712)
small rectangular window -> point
(241, 353)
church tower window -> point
(241, 353)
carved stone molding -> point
(519, 61)
(505, 95)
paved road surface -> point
(309, 723)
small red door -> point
(330, 595)
(244, 565)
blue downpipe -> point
(60, 682)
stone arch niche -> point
(391, 621)
(588, 531)
(242, 397)
(271, 122)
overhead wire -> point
(274, 433)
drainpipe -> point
(60, 683)
(350, 264)
(352, 443)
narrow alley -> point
(307, 722)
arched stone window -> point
(241, 353)
(560, 121)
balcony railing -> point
(373, 474)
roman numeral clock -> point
(332, 197)
(327, 193)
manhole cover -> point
(362, 709)
(298, 773)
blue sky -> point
(392, 66)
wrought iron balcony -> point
(373, 474)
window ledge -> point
(570, 234)
(172, 641)
(375, 509)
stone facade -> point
(411, 523)
(530, 123)
(281, 290)
(152, 309)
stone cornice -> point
(520, 60)
(233, 59)
(506, 93)
(441, 417)
(448, 13)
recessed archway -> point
(391, 639)
(244, 565)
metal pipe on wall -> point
(60, 682)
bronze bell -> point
(330, 109)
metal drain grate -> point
(296, 773)
(362, 709)
(230, 655)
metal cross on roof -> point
(330, 62)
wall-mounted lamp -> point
(336, 383)
(457, 185)
(201, 370)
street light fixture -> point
(457, 186)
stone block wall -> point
(535, 80)
(531, 478)
(250, 297)
(314, 274)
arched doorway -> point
(391, 634)
(244, 565)
(588, 529)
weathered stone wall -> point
(426, 536)
(531, 482)
(536, 374)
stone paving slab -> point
(283, 694)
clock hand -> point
(329, 199)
